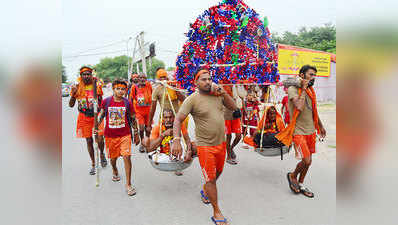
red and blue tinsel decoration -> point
(230, 33)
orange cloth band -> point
(84, 69)
(161, 73)
(120, 85)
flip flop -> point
(115, 178)
(218, 221)
(202, 193)
(92, 171)
(292, 184)
(131, 191)
(306, 192)
(232, 161)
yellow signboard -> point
(291, 60)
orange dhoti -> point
(211, 159)
(85, 125)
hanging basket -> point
(273, 151)
(163, 162)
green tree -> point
(321, 38)
(117, 67)
(64, 78)
(112, 68)
(170, 68)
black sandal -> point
(293, 186)
(306, 192)
(92, 171)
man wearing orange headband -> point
(169, 94)
(133, 81)
(141, 96)
(206, 107)
(83, 92)
(120, 117)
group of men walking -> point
(216, 116)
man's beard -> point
(311, 83)
(87, 80)
(168, 126)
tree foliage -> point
(117, 67)
(112, 68)
(321, 38)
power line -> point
(100, 53)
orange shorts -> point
(233, 126)
(118, 146)
(211, 160)
(142, 115)
(304, 145)
(85, 126)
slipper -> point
(218, 221)
(292, 184)
(131, 191)
(115, 178)
(306, 192)
(232, 161)
(92, 171)
(205, 199)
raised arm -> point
(299, 101)
(72, 99)
(229, 102)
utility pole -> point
(142, 51)
(128, 61)
(133, 57)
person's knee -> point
(307, 161)
(211, 181)
(89, 140)
(127, 158)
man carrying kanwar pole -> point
(206, 107)
(164, 97)
(304, 123)
(83, 92)
(141, 97)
